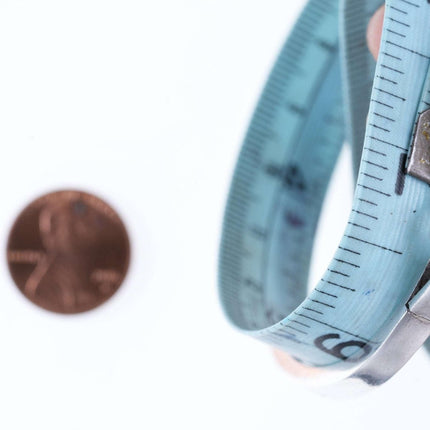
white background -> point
(145, 104)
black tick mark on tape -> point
(400, 184)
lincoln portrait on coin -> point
(83, 257)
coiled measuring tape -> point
(371, 309)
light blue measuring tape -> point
(368, 314)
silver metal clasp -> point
(419, 161)
(419, 302)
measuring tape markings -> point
(358, 70)
(385, 246)
(291, 113)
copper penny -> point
(68, 252)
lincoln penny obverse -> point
(68, 252)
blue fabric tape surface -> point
(318, 96)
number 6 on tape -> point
(371, 309)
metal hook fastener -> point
(419, 159)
